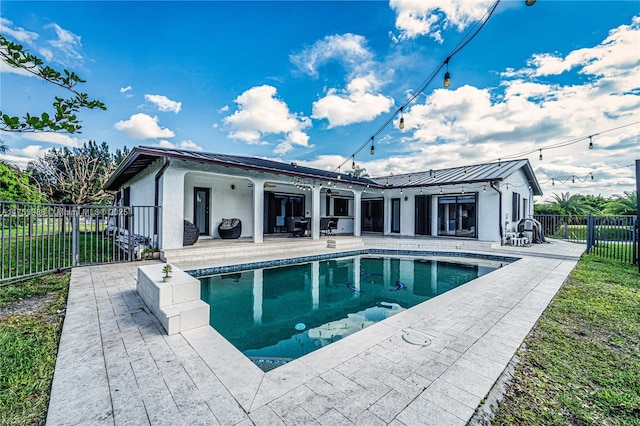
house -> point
(479, 201)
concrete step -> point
(284, 247)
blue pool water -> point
(274, 315)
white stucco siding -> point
(142, 186)
(172, 202)
(230, 197)
(516, 183)
(488, 203)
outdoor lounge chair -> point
(230, 228)
(190, 234)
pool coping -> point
(115, 365)
(257, 387)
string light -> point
(401, 124)
(590, 143)
(353, 163)
(540, 155)
(499, 164)
(447, 75)
(466, 39)
(373, 149)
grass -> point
(24, 256)
(28, 348)
(581, 363)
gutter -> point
(492, 184)
(165, 166)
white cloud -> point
(418, 17)
(143, 126)
(19, 34)
(188, 144)
(356, 104)
(260, 114)
(348, 49)
(67, 45)
(471, 125)
(55, 138)
(22, 156)
(163, 103)
(125, 89)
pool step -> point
(222, 251)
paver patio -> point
(116, 365)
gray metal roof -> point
(477, 173)
(141, 157)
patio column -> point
(258, 210)
(357, 212)
(315, 212)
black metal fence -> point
(41, 238)
(614, 237)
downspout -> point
(165, 166)
(492, 184)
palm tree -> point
(627, 205)
(571, 204)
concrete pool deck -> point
(116, 365)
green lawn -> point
(581, 364)
(28, 348)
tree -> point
(570, 204)
(63, 118)
(15, 185)
(77, 175)
(627, 205)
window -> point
(457, 216)
(395, 215)
(515, 207)
(340, 207)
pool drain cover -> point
(416, 338)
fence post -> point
(591, 232)
(75, 236)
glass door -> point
(201, 209)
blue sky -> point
(313, 81)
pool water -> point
(274, 315)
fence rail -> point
(40, 238)
(614, 237)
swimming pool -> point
(274, 315)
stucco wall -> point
(225, 202)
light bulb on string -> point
(591, 176)
(465, 171)
(590, 143)
(401, 123)
(499, 164)
(540, 155)
(553, 182)
(440, 190)
(353, 163)
(463, 190)
(573, 179)
(373, 149)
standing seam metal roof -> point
(142, 157)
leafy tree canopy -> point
(625, 205)
(63, 117)
(15, 185)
